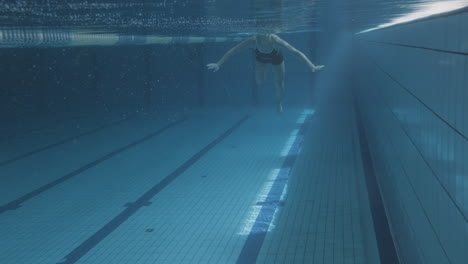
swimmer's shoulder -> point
(274, 37)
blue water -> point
(118, 145)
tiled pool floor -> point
(224, 186)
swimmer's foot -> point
(280, 108)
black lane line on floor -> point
(143, 200)
(63, 141)
(256, 237)
(13, 205)
(385, 243)
(419, 47)
(421, 102)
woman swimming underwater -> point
(267, 51)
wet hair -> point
(267, 27)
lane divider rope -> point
(28, 38)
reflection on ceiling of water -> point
(216, 17)
(422, 10)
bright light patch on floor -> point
(262, 199)
(301, 119)
(287, 147)
(283, 196)
(304, 115)
(424, 10)
(250, 221)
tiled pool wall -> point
(411, 83)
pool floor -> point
(234, 185)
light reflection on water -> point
(214, 17)
(423, 10)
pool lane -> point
(200, 217)
(60, 142)
(144, 199)
(51, 225)
(198, 192)
(32, 175)
(25, 144)
(15, 204)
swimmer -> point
(267, 51)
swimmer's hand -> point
(213, 66)
(316, 68)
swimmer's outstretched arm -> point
(296, 52)
(241, 46)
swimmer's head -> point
(267, 28)
(263, 31)
(263, 37)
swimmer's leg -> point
(260, 72)
(279, 71)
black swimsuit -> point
(274, 57)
